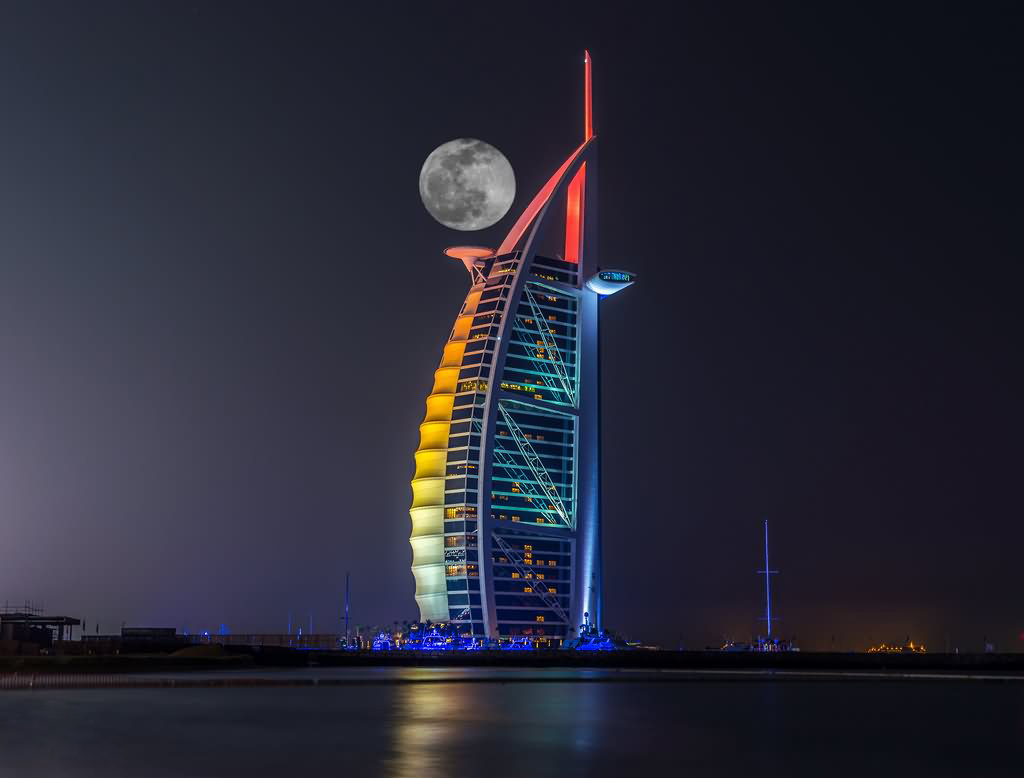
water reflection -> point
(427, 722)
(461, 728)
(499, 723)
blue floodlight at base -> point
(518, 644)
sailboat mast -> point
(767, 573)
(767, 582)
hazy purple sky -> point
(221, 304)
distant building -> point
(506, 512)
(33, 628)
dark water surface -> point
(521, 723)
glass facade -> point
(517, 343)
(506, 494)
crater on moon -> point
(467, 184)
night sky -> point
(222, 303)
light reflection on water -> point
(428, 721)
(517, 723)
(440, 727)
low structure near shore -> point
(29, 631)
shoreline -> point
(238, 666)
(197, 680)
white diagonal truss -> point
(507, 461)
(530, 350)
(554, 356)
(539, 587)
(540, 473)
(522, 478)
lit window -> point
(540, 618)
(540, 576)
(551, 563)
(527, 548)
(515, 575)
(552, 590)
(527, 589)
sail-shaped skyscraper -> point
(506, 512)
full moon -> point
(467, 184)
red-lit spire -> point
(574, 199)
(588, 102)
(574, 191)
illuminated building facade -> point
(506, 512)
